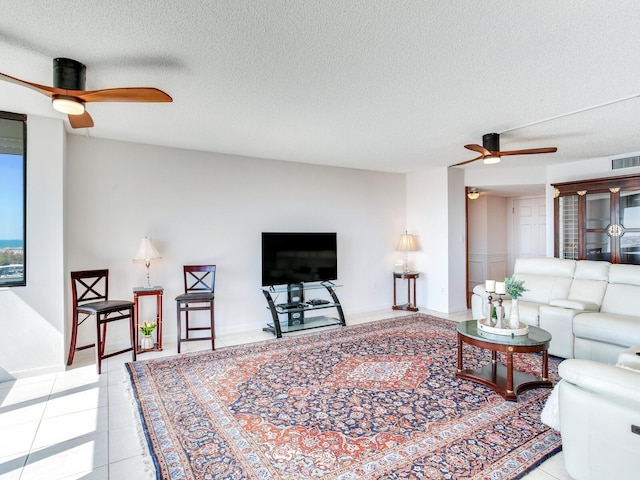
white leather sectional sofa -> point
(591, 308)
(599, 414)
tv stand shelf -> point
(295, 307)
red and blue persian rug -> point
(372, 401)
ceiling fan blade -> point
(467, 161)
(132, 94)
(83, 120)
(478, 148)
(44, 89)
(529, 151)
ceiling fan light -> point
(491, 159)
(70, 106)
(473, 194)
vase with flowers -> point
(515, 289)
(147, 328)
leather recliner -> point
(599, 410)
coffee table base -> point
(494, 376)
(501, 376)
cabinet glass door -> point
(598, 218)
(598, 211)
(598, 246)
(568, 227)
(630, 248)
(630, 221)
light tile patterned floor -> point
(79, 425)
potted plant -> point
(515, 289)
(147, 328)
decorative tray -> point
(523, 330)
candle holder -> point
(499, 314)
(489, 287)
(500, 325)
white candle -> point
(490, 286)
(500, 288)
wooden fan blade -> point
(44, 89)
(529, 151)
(81, 121)
(467, 161)
(132, 94)
(478, 148)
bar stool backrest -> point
(90, 286)
(199, 278)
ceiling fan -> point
(490, 150)
(69, 96)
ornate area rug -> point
(373, 401)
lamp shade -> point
(407, 243)
(146, 250)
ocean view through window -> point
(12, 199)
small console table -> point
(142, 292)
(295, 307)
(409, 277)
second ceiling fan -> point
(490, 150)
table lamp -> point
(407, 244)
(147, 252)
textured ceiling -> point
(385, 85)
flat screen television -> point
(289, 258)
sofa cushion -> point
(602, 379)
(542, 288)
(574, 304)
(479, 290)
(608, 328)
(528, 312)
(621, 299)
(589, 284)
(592, 270)
(627, 274)
(544, 278)
(555, 267)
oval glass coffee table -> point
(496, 375)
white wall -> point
(32, 317)
(487, 176)
(435, 213)
(211, 208)
(457, 265)
(488, 234)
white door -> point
(529, 227)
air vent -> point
(627, 162)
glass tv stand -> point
(288, 302)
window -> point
(13, 212)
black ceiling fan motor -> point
(69, 74)
(491, 141)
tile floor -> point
(79, 425)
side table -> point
(409, 277)
(143, 292)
